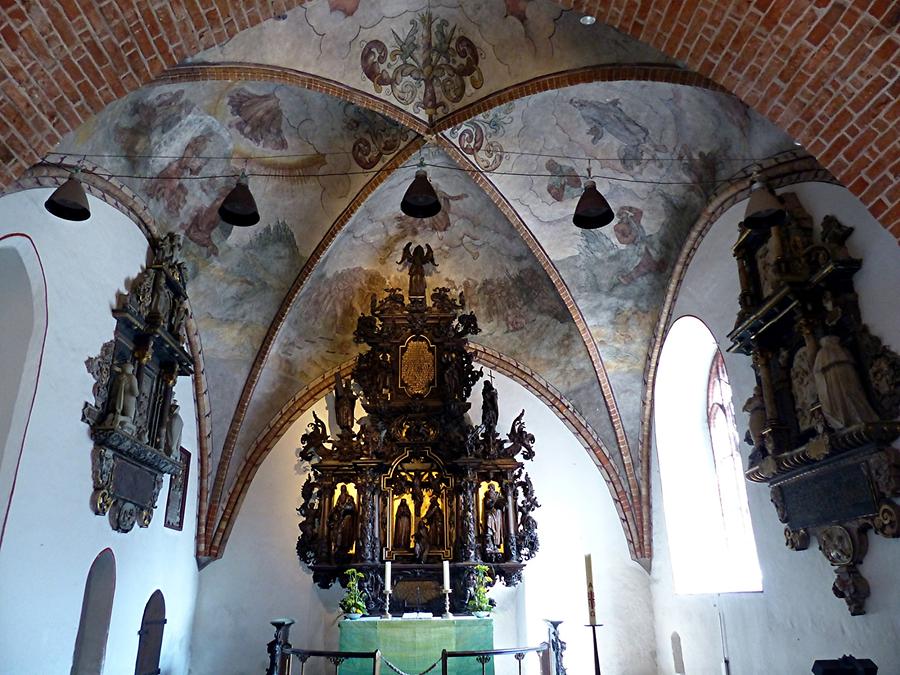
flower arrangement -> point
(354, 600)
(480, 603)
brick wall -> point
(824, 71)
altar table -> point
(414, 644)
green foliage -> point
(480, 602)
(354, 600)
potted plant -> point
(353, 603)
(480, 604)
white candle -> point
(387, 575)
(589, 574)
(446, 575)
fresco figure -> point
(637, 257)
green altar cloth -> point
(414, 644)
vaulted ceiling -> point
(329, 107)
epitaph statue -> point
(123, 398)
(173, 430)
(843, 400)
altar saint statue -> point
(435, 517)
(492, 506)
(344, 403)
(417, 258)
(402, 525)
(342, 522)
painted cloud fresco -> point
(474, 48)
(477, 251)
(644, 131)
(238, 276)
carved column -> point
(466, 536)
(772, 434)
(326, 495)
(369, 544)
(509, 489)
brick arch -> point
(304, 399)
(822, 73)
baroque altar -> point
(416, 483)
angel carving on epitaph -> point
(417, 258)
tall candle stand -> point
(594, 627)
(387, 604)
(447, 614)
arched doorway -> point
(23, 303)
(96, 608)
(151, 635)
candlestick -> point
(387, 574)
(387, 604)
(447, 614)
(589, 574)
(446, 575)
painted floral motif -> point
(259, 117)
(477, 137)
(375, 136)
(438, 63)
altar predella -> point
(417, 483)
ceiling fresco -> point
(431, 57)
(643, 131)
(239, 275)
(547, 295)
(478, 252)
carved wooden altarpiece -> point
(134, 419)
(417, 483)
(824, 412)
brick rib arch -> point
(824, 72)
(303, 400)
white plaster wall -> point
(52, 536)
(796, 619)
(260, 578)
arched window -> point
(705, 502)
(23, 306)
(151, 635)
(96, 609)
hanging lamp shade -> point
(593, 210)
(764, 209)
(69, 201)
(420, 200)
(239, 208)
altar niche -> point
(417, 484)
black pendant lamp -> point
(239, 207)
(593, 210)
(69, 201)
(420, 200)
(764, 209)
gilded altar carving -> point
(405, 484)
(134, 418)
(823, 413)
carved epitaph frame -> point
(133, 420)
(176, 500)
(821, 441)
